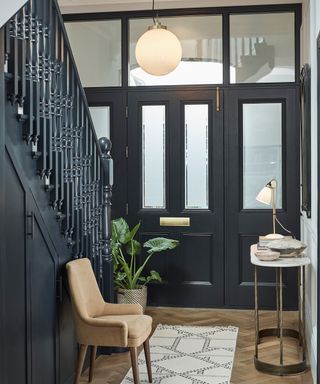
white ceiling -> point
(84, 6)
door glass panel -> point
(201, 41)
(153, 156)
(101, 121)
(262, 151)
(196, 156)
(96, 47)
(262, 48)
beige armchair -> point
(99, 323)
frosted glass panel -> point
(262, 151)
(153, 156)
(201, 41)
(96, 47)
(196, 156)
(101, 121)
(262, 48)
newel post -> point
(106, 265)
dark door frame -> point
(318, 264)
(2, 225)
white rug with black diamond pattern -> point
(189, 355)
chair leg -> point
(146, 348)
(81, 357)
(134, 364)
(93, 357)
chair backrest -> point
(85, 294)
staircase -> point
(56, 188)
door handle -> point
(218, 99)
(175, 221)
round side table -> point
(300, 263)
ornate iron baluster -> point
(44, 88)
(56, 120)
(77, 182)
(107, 181)
(37, 31)
(28, 126)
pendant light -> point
(158, 51)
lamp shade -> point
(158, 51)
(265, 196)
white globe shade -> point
(158, 51)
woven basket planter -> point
(133, 296)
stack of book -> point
(264, 240)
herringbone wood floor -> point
(112, 369)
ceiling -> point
(85, 6)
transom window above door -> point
(202, 48)
(262, 48)
(219, 46)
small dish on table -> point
(267, 255)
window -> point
(96, 46)
(153, 156)
(262, 48)
(262, 151)
(196, 156)
(101, 121)
(201, 40)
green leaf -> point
(159, 244)
(133, 248)
(139, 271)
(154, 276)
(142, 280)
(134, 230)
(120, 231)
(120, 276)
(120, 279)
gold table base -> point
(280, 332)
(275, 369)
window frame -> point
(224, 11)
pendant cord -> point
(155, 19)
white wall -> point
(96, 49)
(309, 32)
(8, 9)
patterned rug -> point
(189, 355)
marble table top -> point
(282, 262)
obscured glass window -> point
(262, 48)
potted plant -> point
(130, 282)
